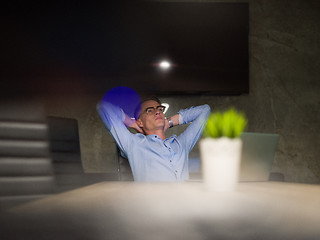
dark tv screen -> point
(94, 46)
(206, 44)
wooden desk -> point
(128, 210)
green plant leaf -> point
(229, 123)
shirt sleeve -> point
(112, 118)
(198, 117)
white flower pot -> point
(220, 160)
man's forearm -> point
(193, 113)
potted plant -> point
(220, 149)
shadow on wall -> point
(25, 164)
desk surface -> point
(128, 210)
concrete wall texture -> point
(284, 93)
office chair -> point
(65, 152)
(66, 156)
(124, 169)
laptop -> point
(258, 152)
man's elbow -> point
(207, 109)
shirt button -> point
(170, 160)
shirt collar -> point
(155, 137)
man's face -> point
(154, 120)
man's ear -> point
(139, 123)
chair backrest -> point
(65, 152)
(124, 169)
(25, 162)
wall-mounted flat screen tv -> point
(164, 47)
(181, 47)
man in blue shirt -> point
(152, 156)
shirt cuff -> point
(180, 119)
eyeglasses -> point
(150, 110)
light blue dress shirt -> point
(151, 158)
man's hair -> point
(152, 97)
(138, 109)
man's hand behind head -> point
(132, 123)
